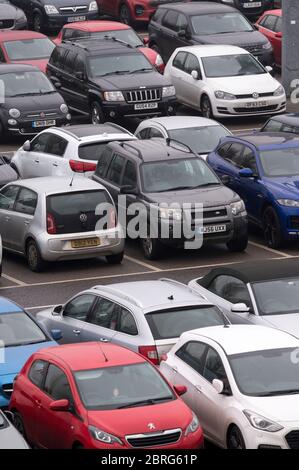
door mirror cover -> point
(218, 386)
(180, 389)
(27, 146)
(60, 405)
(240, 308)
(246, 173)
(57, 310)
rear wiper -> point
(150, 401)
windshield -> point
(18, 329)
(118, 387)
(118, 64)
(282, 162)
(266, 373)
(172, 323)
(199, 139)
(277, 297)
(231, 66)
(219, 23)
(174, 175)
(26, 83)
(127, 35)
(29, 49)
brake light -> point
(81, 167)
(150, 352)
(51, 225)
(112, 218)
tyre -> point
(97, 115)
(18, 424)
(34, 259)
(125, 15)
(206, 107)
(37, 22)
(235, 439)
(237, 245)
(115, 259)
(272, 229)
(151, 248)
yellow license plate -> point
(85, 243)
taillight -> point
(51, 225)
(150, 352)
(112, 218)
(81, 167)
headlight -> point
(222, 95)
(158, 61)
(193, 426)
(103, 436)
(168, 91)
(288, 202)
(279, 91)
(261, 423)
(93, 6)
(113, 96)
(21, 17)
(51, 10)
(237, 207)
(14, 113)
(168, 213)
(267, 45)
(64, 109)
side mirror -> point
(57, 310)
(269, 68)
(145, 40)
(182, 33)
(26, 146)
(60, 405)
(240, 308)
(225, 179)
(195, 74)
(218, 386)
(278, 35)
(127, 189)
(56, 334)
(180, 389)
(246, 173)
(79, 75)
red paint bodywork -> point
(274, 38)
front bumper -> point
(287, 438)
(113, 110)
(289, 221)
(56, 22)
(24, 125)
(238, 107)
(21, 25)
(6, 385)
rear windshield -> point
(94, 151)
(166, 324)
(75, 212)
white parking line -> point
(271, 250)
(141, 263)
(14, 280)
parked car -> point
(7, 173)
(55, 219)
(201, 135)
(65, 150)
(242, 384)
(10, 438)
(108, 79)
(145, 316)
(11, 17)
(270, 25)
(31, 103)
(224, 81)
(122, 400)
(44, 16)
(22, 336)
(25, 47)
(153, 173)
(263, 169)
(282, 123)
(252, 9)
(102, 29)
(180, 25)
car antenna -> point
(71, 183)
(105, 357)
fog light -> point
(69, 117)
(170, 109)
(12, 122)
(112, 114)
(139, 10)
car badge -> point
(83, 218)
(74, 9)
(42, 115)
(255, 96)
(151, 426)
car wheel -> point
(272, 229)
(37, 22)
(18, 424)
(235, 439)
(34, 259)
(97, 115)
(206, 107)
(237, 245)
(125, 15)
(115, 259)
(151, 248)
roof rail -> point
(119, 294)
(97, 39)
(127, 144)
(74, 43)
(181, 284)
(180, 144)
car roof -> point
(240, 339)
(200, 8)
(14, 68)
(277, 11)
(256, 271)
(104, 46)
(18, 35)
(211, 50)
(7, 306)
(181, 122)
(92, 355)
(59, 184)
(97, 26)
(91, 130)
(268, 140)
(289, 118)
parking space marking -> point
(271, 250)
(141, 263)
(14, 280)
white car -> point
(242, 382)
(224, 81)
(201, 135)
(61, 151)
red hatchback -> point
(100, 396)
(25, 47)
(100, 29)
(270, 24)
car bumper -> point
(5, 385)
(255, 439)
(25, 127)
(21, 25)
(239, 107)
(122, 109)
(56, 22)
(289, 220)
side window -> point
(158, 15)
(37, 372)
(57, 385)
(272, 126)
(105, 314)
(262, 22)
(57, 56)
(223, 150)
(126, 323)
(130, 175)
(116, 169)
(68, 33)
(39, 143)
(179, 60)
(234, 154)
(249, 160)
(69, 61)
(56, 145)
(286, 128)
(26, 202)
(193, 354)
(231, 289)
(79, 307)
(143, 135)
(191, 63)
(181, 23)
(278, 26)
(214, 368)
(104, 163)
(155, 133)
(8, 197)
(79, 65)
(2, 57)
(170, 20)
(270, 22)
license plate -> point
(51, 122)
(257, 104)
(85, 243)
(146, 106)
(212, 229)
(252, 5)
(72, 19)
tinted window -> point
(170, 20)
(181, 23)
(179, 60)
(155, 133)
(214, 368)
(69, 61)
(8, 197)
(191, 64)
(158, 15)
(56, 145)
(96, 151)
(223, 150)
(249, 160)
(116, 169)
(79, 65)
(270, 22)
(105, 314)
(143, 134)
(103, 163)
(56, 384)
(126, 323)
(278, 26)
(193, 354)
(130, 176)
(234, 154)
(231, 289)
(26, 202)
(272, 126)
(56, 58)
(79, 307)
(39, 144)
(37, 371)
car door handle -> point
(26, 222)
(104, 340)
(175, 369)
(198, 388)
(36, 161)
(76, 332)
(55, 164)
(7, 219)
(37, 402)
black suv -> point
(185, 24)
(155, 173)
(251, 8)
(108, 79)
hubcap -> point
(37, 23)
(148, 245)
(206, 108)
(270, 229)
(95, 116)
(32, 256)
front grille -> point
(7, 24)
(293, 439)
(154, 439)
(262, 109)
(294, 222)
(249, 96)
(7, 390)
(73, 9)
(41, 115)
(254, 49)
(137, 96)
(214, 213)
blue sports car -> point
(263, 168)
(20, 336)
(282, 123)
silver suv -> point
(145, 316)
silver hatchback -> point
(54, 219)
